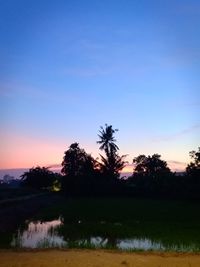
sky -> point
(68, 67)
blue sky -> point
(68, 67)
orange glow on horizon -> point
(28, 152)
(23, 152)
(128, 168)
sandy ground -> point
(95, 258)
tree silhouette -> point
(193, 175)
(77, 162)
(107, 140)
(150, 166)
(112, 163)
(151, 175)
(79, 171)
(193, 169)
(39, 178)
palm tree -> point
(112, 163)
(107, 140)
(111, 166)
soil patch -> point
(95, 258)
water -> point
(39, 234)
(46, 235)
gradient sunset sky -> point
(67, 67)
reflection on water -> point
(125, 244)
(46, 235)
(143, 243)
(39, 234)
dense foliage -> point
(39, 178)
(79, 171)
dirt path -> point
(95, 258)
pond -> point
(54, 233)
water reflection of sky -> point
(136, 243)
(38, 234)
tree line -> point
(82, 175)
